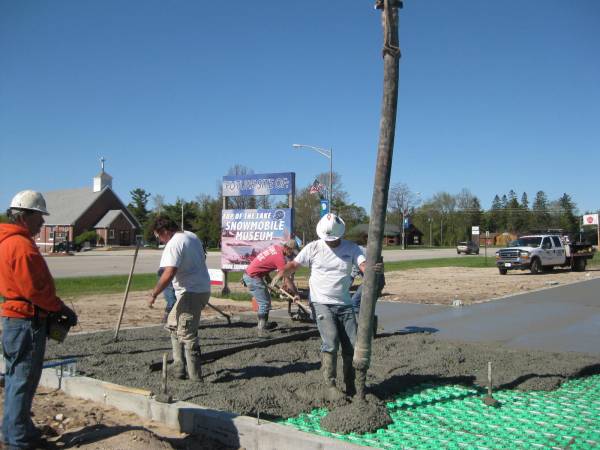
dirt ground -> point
(86, 425)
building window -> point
(111, 234)
(51, 236)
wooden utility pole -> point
(387, 126)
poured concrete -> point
(563, 318)
(284, 380)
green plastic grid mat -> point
(455, 417)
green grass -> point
(79, 286)
(469, 261)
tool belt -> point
(38, 313)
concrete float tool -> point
(137, 249)
(227, 316)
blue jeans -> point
(260, 292)
(356, 300)
(24, 345)
(170, 297)
(337, 325)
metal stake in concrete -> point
(164, 397)
(489, 400)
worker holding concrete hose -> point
(330, 260)
(29, 299)
(184, 263)
(273, 258)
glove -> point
(70, 315)
(276, 280)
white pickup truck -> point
(541, 253)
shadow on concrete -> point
(251, 372)
(398, 383)
(409, 330)
(558, 378)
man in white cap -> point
(330, 260)
(29, 298)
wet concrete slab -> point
(563, 318)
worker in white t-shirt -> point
(330, 260)
(184, 263)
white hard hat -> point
(330, 227)
(29, 200)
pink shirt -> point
(266, 261)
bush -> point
(90, 236)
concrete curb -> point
(227, 428)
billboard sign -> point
(259, 184)
(590, 219)
(247, 232)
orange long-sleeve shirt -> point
(24, 274)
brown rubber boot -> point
(329, 371)
(192, 359)
(178, 364)
(349, 375)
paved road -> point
(118, 262)
(563, 318)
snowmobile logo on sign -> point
(590, 219)
(247, 232)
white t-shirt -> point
(330, 270)
(185, 251)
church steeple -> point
(103, 179)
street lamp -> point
(327, 153)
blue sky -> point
(493, 95)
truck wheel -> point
(502, 270)
(580, 264)
(536, 266)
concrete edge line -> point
(227, 428)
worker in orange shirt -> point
(29, 297)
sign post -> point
(475, 232)
(487, 236)
(592, 219)
(324, 207)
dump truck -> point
(542, 252)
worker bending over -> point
(273, 258)
(184, 263)
(29, 297)
(330, 260)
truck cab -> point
(542, 252)
(537, 253)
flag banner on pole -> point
(316, 187)
(590, 219)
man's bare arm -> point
(165, 279)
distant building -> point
(392, 234)
(96, 208)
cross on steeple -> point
(102, 159)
